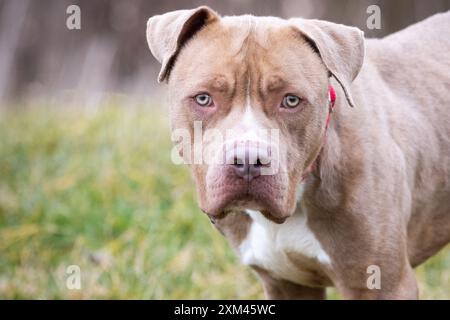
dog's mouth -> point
(264, 194)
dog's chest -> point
(288, 251)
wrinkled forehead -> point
(266, 50)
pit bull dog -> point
(338, 196)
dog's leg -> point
(278, 289)
(403, 289)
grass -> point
(98, 190)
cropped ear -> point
(340, 47)
(167, 33)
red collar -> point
(331, 101)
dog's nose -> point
(248, 161)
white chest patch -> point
(267, 243)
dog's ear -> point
(340, 47)
(167, 33)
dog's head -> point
(249, 100)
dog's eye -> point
(290, 101)
(203, 99)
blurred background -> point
(40, 57)
(85, 171)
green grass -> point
(98, 190)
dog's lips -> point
(264, 193)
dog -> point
(355, 191)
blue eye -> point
(290, 101)
(203, 99)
